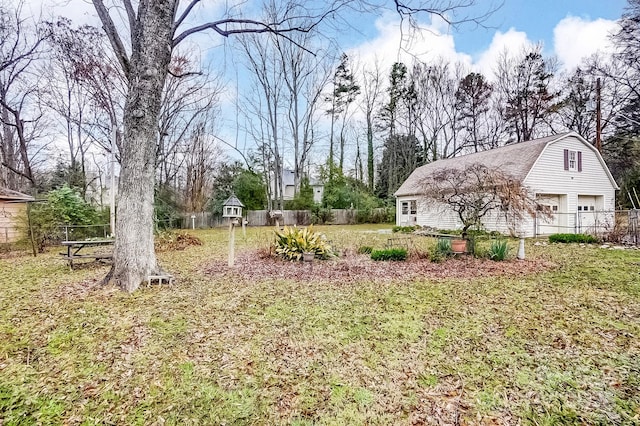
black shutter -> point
(579, 161)
(566, 159)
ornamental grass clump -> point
(442, 250)
(499, 250)
(293, 242)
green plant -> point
(389, 254)
(573, 238)
(64, 207)
(321, 215)
(404, 229)
(292, 242)
(443, 246)
(499, 250)
(365, 250)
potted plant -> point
(459, 245)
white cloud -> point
(577, 38)
(511, 42)
(394, 43)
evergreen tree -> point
(472, 101)
(345, 91)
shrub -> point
(376, 215)
(572, 238)
(292, 242)
(498, 250)
(365, 250)
(321, 215)
(389, 254)
(404, 229)
(64, 206)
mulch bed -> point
(253, 267)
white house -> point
(288, 182)
(565, 172)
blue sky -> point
(537, 18)
(570, 30)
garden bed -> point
(250, 266)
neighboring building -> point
(565, 172)
(288, 180)
(13, 205)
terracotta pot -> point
(458, 246)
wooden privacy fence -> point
(262, 218)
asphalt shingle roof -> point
(10, 195)
(515, 159)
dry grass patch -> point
(555, 344)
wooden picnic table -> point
(75, 247)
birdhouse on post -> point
(232, 208)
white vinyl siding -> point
(548, 176)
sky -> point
(568, 29)
(565, 27)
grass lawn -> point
(555, 346)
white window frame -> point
(404, 208)
(573, 160)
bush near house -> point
(397, 254)
(404, 229)
(573, 238)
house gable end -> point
(579, 167)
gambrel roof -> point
(10, 195)
(515, 160)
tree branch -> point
(112, 34)
(184, 15)
(131, 15)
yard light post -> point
(232, 209)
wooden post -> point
(231, 243)
(598, 116)
(521, 249)
(33, 241)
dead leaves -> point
(355, 268)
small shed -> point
(13, 205)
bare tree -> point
(20, 115)
(525, 84)
(305, 76)
(154, 30)
(371, 93)
(265, 109)
(476, 191)
(201, 159)
(189, 97)
(473, 103)
(437, 125)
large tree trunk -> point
(134, 255)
